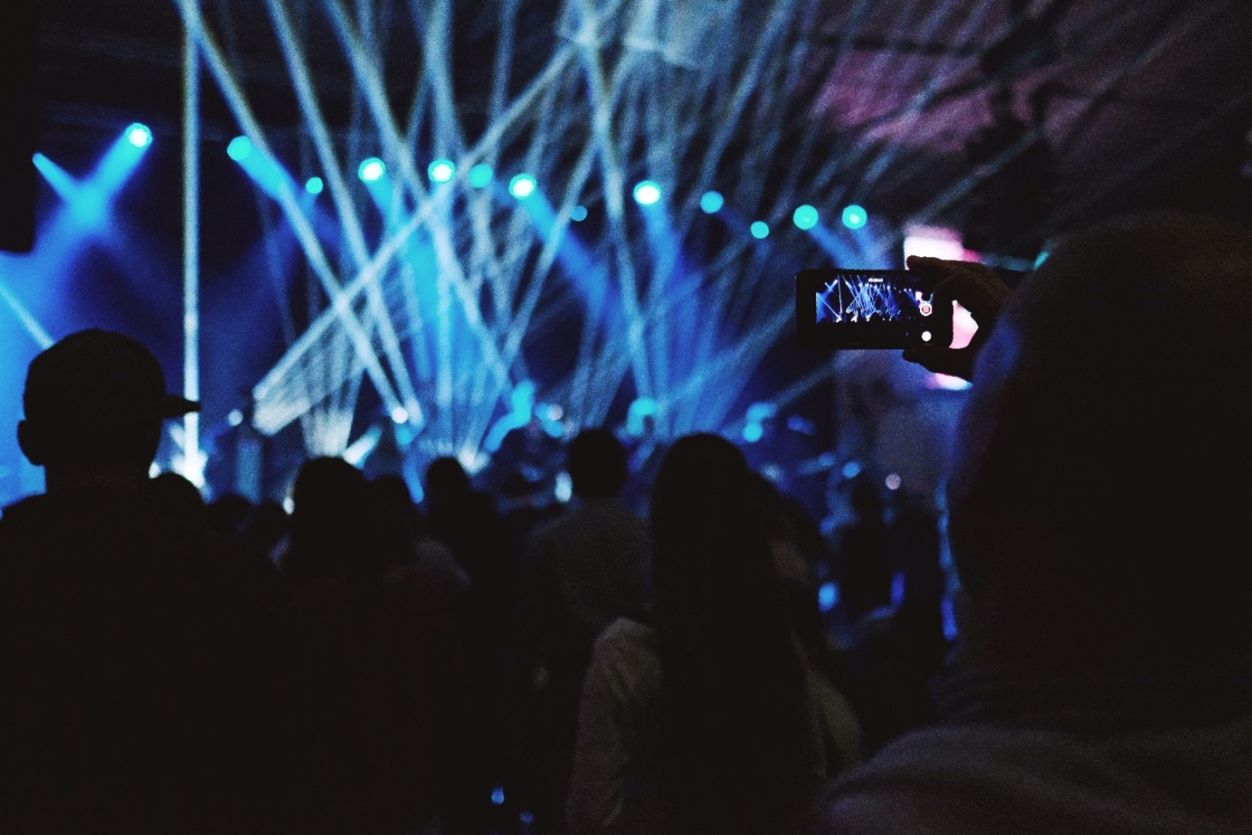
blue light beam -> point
(265, 171)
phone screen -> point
(869, 309)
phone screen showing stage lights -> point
(868, 309)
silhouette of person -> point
(709, 719)
(1104, 676)
(465, 520)
(581, 572)
(135, 657)
(375, 682)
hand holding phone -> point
(870, 309)
(976, 288)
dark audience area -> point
(1059, 641)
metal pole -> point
(193, 460)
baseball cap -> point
(99, 377)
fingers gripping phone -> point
(839, 308)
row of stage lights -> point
(522, 186)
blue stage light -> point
(60, 179)
(497, 796)
(805, 217)
(711, 203)
(239, 148)
(139, 135)
(314, 185)
(523, 186)
(647, 193)
(441, 170)
(759, 229)
(371, 170)
(480, 175)
(854, 217)
(578, 214)
(827, 596)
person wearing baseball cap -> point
(94, 403)
(132, 645)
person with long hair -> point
(708, 720)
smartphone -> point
(839, 308)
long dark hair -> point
(736, 751)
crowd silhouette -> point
(479, 664)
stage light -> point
(480, 175)
(711, 203)
(497, 796)
(578, 214)
(314, 185)
(139, 135)
(854, 217)
(239, 148)
(563, 489)
(892, 481)
(235, 418)
(827, 596)
(60, 179)
(523, 186)
(441, 170)
(399, 414)
(371, 170)
(805, 217)
(759, 229)
(647, 193)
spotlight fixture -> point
(480, 175)
(139, 135)
(239, 148)
(854, 217)
(523, 186)
(711, 202)
(441, 170)
(371, 170)
(647, 193)
(805, 217)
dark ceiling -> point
(1148, 103)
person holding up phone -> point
(1097, 505)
